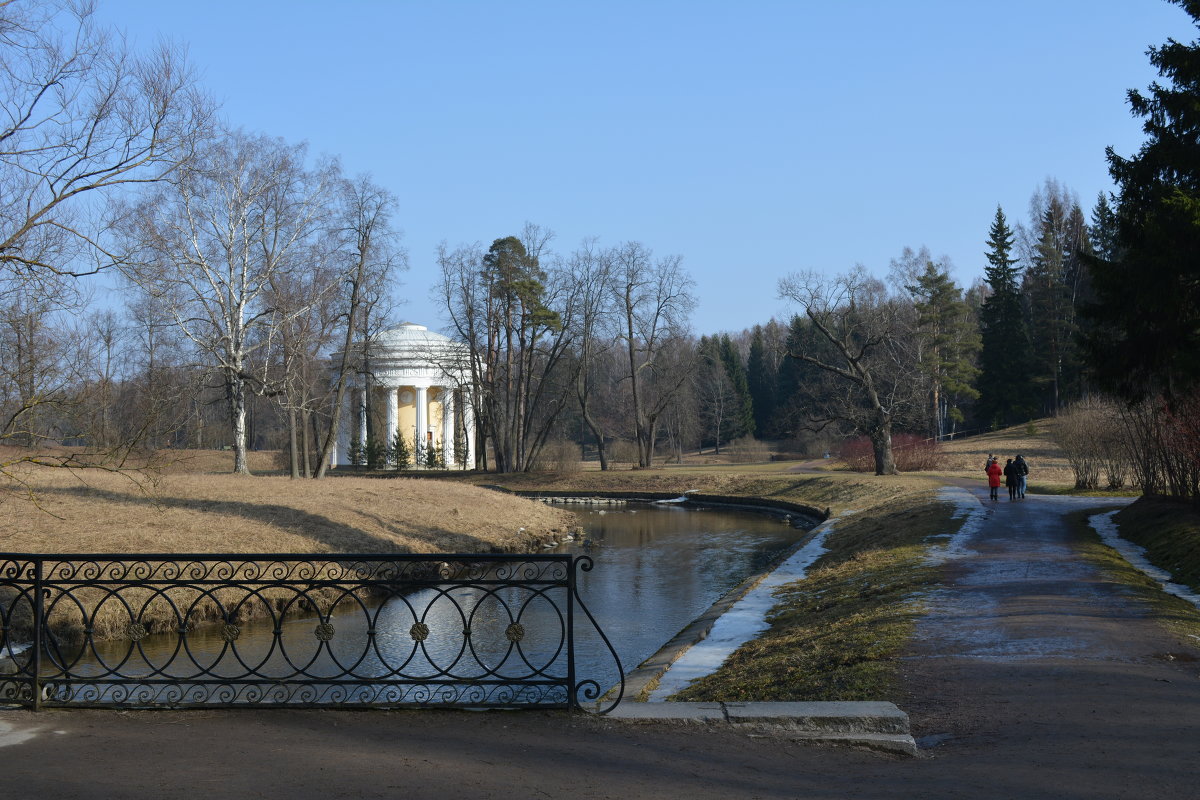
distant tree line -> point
(245, 263)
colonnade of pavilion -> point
(407, 381)
(436, 411)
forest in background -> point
(245, 262)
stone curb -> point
(875, 725)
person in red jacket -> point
(994, 471)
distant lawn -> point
(185, 511)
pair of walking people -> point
(1014, 472)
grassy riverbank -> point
(836, 635)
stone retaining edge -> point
(875, 725)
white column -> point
(362, 417)
(393, 415)
(341, 450)
(448, 424)
(422, 415)
(469, 426)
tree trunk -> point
(881, 444)
(237, 416)
(293, 445)
(306, 443)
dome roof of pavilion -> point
(408, 336)
(408, 354)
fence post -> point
(39, 610)
(572, 701)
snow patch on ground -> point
(741, 623)
(1136, 555)
(965, 505)
(11, 650)
(11, 734)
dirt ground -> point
(1033, 676)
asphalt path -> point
(1031, 677)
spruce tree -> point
(1103, 230)
(762, 382)
(1005, 392)
(743, 417)
(1145, 336)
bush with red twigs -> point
(913, 453)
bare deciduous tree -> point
(864, 349)
(594, 338)
(653, 299)
(212, 239)
(82, 117)
(369, 256)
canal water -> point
(656, 568)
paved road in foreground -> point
(1036, 677)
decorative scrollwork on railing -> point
(282, 630)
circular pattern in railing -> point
(481, 630)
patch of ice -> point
(1136, 555)
(741, 623)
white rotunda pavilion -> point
(411, 381)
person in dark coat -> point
(1011, 479)
(1022, 472)
(993, 473)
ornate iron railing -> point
(298, 630)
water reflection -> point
(656, 569)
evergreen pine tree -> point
(951, 340)
(1005, 392)
(1145, 336)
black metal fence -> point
(202, 631)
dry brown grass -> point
(1048, 465)
(186, 508)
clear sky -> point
(752, 138)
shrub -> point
(916, 453)
(912, 453)
(622, 451)
(858, 454)
(559, 455)
(748, 449)
(1091, 437)
(401, 452)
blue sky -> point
(752, 138)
